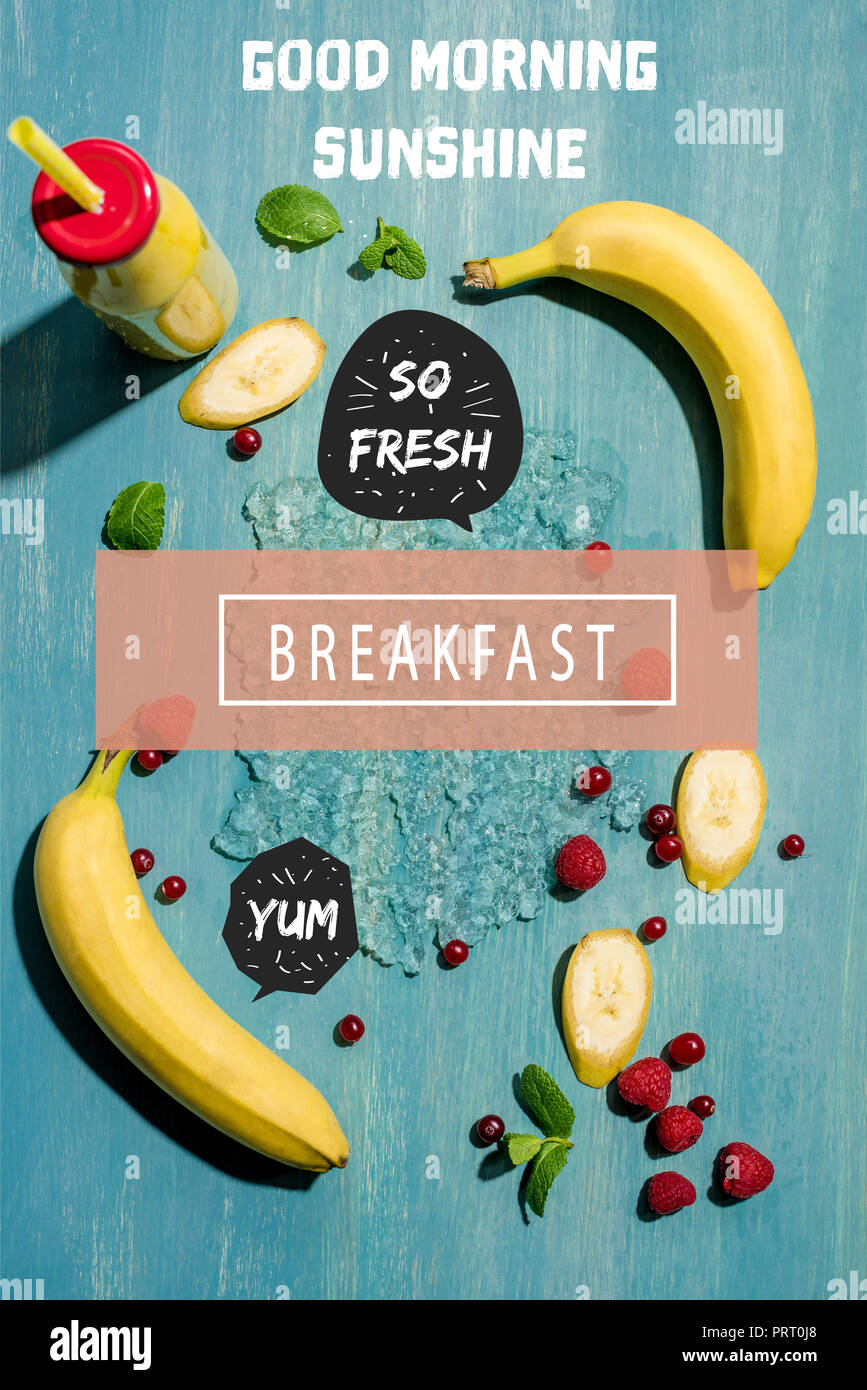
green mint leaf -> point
(296, 213)
(522, 1147)
(407, 258)
(552, 1111)
(372, 256)
(551, 1161)
(136, 518)
(394, 250)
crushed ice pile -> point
(440, 844)
(553, 504)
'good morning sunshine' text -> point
(440, 151)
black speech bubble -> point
(295, 874)
(479, 396)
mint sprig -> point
(393, 249)
(551, 1161)
(136, 518)
(555, 1117)
(551, 1109)
(295, 213)
(373, 255)
(522, 1147)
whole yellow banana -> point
(717, 308)
(126, 976)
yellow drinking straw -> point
(52, 160)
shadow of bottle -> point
(63, 373)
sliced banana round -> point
(720, 809)
(257, 374)
(606, 996)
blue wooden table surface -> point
(782, 1014)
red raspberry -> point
(580, 863)
(167, 722)
(743, 1170)
(647, 1082)
(668, 1192)
(646, 675)
(678, 1128)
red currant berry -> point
(668, 848)
(660, 820)
(142, 861)
(351, 1028)
(247, 441)
(686, 1048)
(456, 952)
(598, 558)
(173, 888)
(593, 781)
(490, 1129)
(654, 928)
(703, 1106)
(170, 752)
(794, 846)
(149, 759)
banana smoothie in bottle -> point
(137, 255)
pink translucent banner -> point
(426, 649)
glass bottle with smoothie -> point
(138, 256)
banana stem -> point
(104, 774)
(498, 273)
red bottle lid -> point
(129, 210)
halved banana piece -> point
(720, 808)
(606, 996)
(257, 374)
(193, 319)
